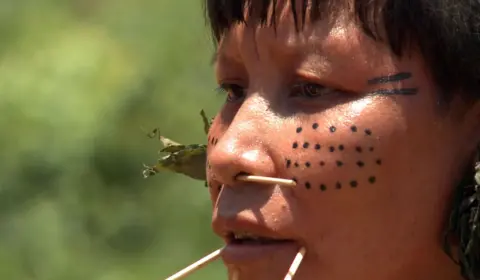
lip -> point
(241, 254)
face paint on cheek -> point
(339, 163)
(392, 79)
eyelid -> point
(310, 78)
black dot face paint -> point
(338, 162)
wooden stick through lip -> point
(295, 264)
(196, 265)
(266, 180)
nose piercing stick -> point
(266, 180)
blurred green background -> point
(79, 80)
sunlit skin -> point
(389, 227)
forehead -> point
(285, 30)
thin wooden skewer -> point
(235, 275)
(196, 265)
(266, 180)
(295, 264)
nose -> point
(246, 144)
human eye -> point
(235, 93)
(311, 91)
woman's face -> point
(358, 129)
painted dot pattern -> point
(360, 163)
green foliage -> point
(78, 80)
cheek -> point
(213, 185)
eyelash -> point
(236, 93)
(230, 90)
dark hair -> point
(447, 32)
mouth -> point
(244, 248)
(246, 238)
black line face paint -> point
(401, 91)
(390, 79)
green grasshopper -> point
(189, 160)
